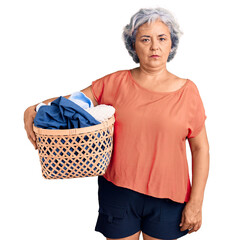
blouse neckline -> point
(154, 92)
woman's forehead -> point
(154, 27)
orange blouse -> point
(150, 132)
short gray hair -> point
(149, 15)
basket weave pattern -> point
(74, 153)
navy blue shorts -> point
(123, 212)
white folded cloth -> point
(101, 112)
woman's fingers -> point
(31, 135)
(33, 142)
(29, 116)
(195, 228)
(182, 220)
(185, 226)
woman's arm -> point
(48, 100)
(200, 165)
(30, 114)
(192, 213)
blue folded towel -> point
(63, 114)
(81, 99)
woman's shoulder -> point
(191, 86)
(183, 81)
(113, 78)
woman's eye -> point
(146, 39)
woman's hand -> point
(29, 116)
(191, 217)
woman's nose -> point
(154, 45)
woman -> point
(146, 186)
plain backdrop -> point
(54, 48)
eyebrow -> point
(149, 36)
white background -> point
(53, 48)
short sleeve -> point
(105, 88)
(198, 116)
(97, 89)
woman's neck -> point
(152, 75)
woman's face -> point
(153, 39)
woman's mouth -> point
(155, 56)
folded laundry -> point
(77, 97)
(101, 112)
(63, 113)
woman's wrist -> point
(33, 107)
(196, 199)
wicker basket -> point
(75, 153)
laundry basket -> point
(75, 153)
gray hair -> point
(149, 15)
